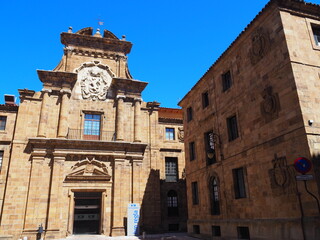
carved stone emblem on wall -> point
(270, 106)
(95, 80)
(180, 134)
(260, 45)
(89, 170)
(282, 176)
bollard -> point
(143, 235)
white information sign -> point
(133, 219)
(305, 177)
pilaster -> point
(63, 118)
(137, 120)
(44, 113)
(120, 118)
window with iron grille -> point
(210, 147)
(192, 151)
(239, 183)
(205, 99)
(226, 81)
(189, 114)
(3, 122)
(170, 134)
(196, 229)
(316, 34)
(216, 231)
(195, 196)
(171, 169)
(232, 128)
(91, 129)
(172, 202)
(214, 196)
(1, 158)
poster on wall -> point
(133, 219)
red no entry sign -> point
(302, 165)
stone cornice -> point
(128, 85)
(105, 44)
(57, 78)
(126, 150)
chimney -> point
(9, 100)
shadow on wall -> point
(164, 205)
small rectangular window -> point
(316, 34)
(170, 134)
(226, 81)
(232, 128)
(192, 151)
(205, 99)
(189, 114)
(216, 231)
(210, 148)
(196, 229)
(171, 169)
(1, 158)
(243, 233)
(195, 196)
(239, 183)
(3, 122)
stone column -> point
(120, 118)
(71, 213)
(117, 208)
(35, 207)
(63, 118)
(55, 208)
(44, 113)
(136, 181)
(137, 119)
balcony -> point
(91, 134)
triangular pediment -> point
(89, 170)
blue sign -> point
(133, 219)
(302, 165)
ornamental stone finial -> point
(97, 34)
(70, 30)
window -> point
(171, 169)
(91, 126)
(216, 231)
(1, 158)
(214, 196)
(192, 151)
(3, 122)
(209, 147)
(172, 201)
(189, 114)
(232, 128)
(226, 81)
(196, 229)
(170, 134)
(316, 34)
(243, 233)
(238, 181)
(205, 100)
(195, 196)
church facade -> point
(75, 154)
(249, 121)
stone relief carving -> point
(180, 134)
(89, 170)
(260, 45)
(95, 80)
(270, 106)
(282, 176)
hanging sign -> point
(133, 219)
(302, 165)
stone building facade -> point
(87, 145)
(247, 119)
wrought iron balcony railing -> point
(91, 134)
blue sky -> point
(174, 41)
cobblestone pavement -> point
(165, 236)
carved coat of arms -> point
(94, 80)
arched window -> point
(172, 203)
(214, 196)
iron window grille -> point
(195, 196)
(226, 81)
(172, 202)
(232, 128)
(3, 122)
(205, 99)
(239, 183)
(192, 151)
(171, 169)
(189, 114)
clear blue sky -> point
(174, 41)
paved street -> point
(166, 236)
